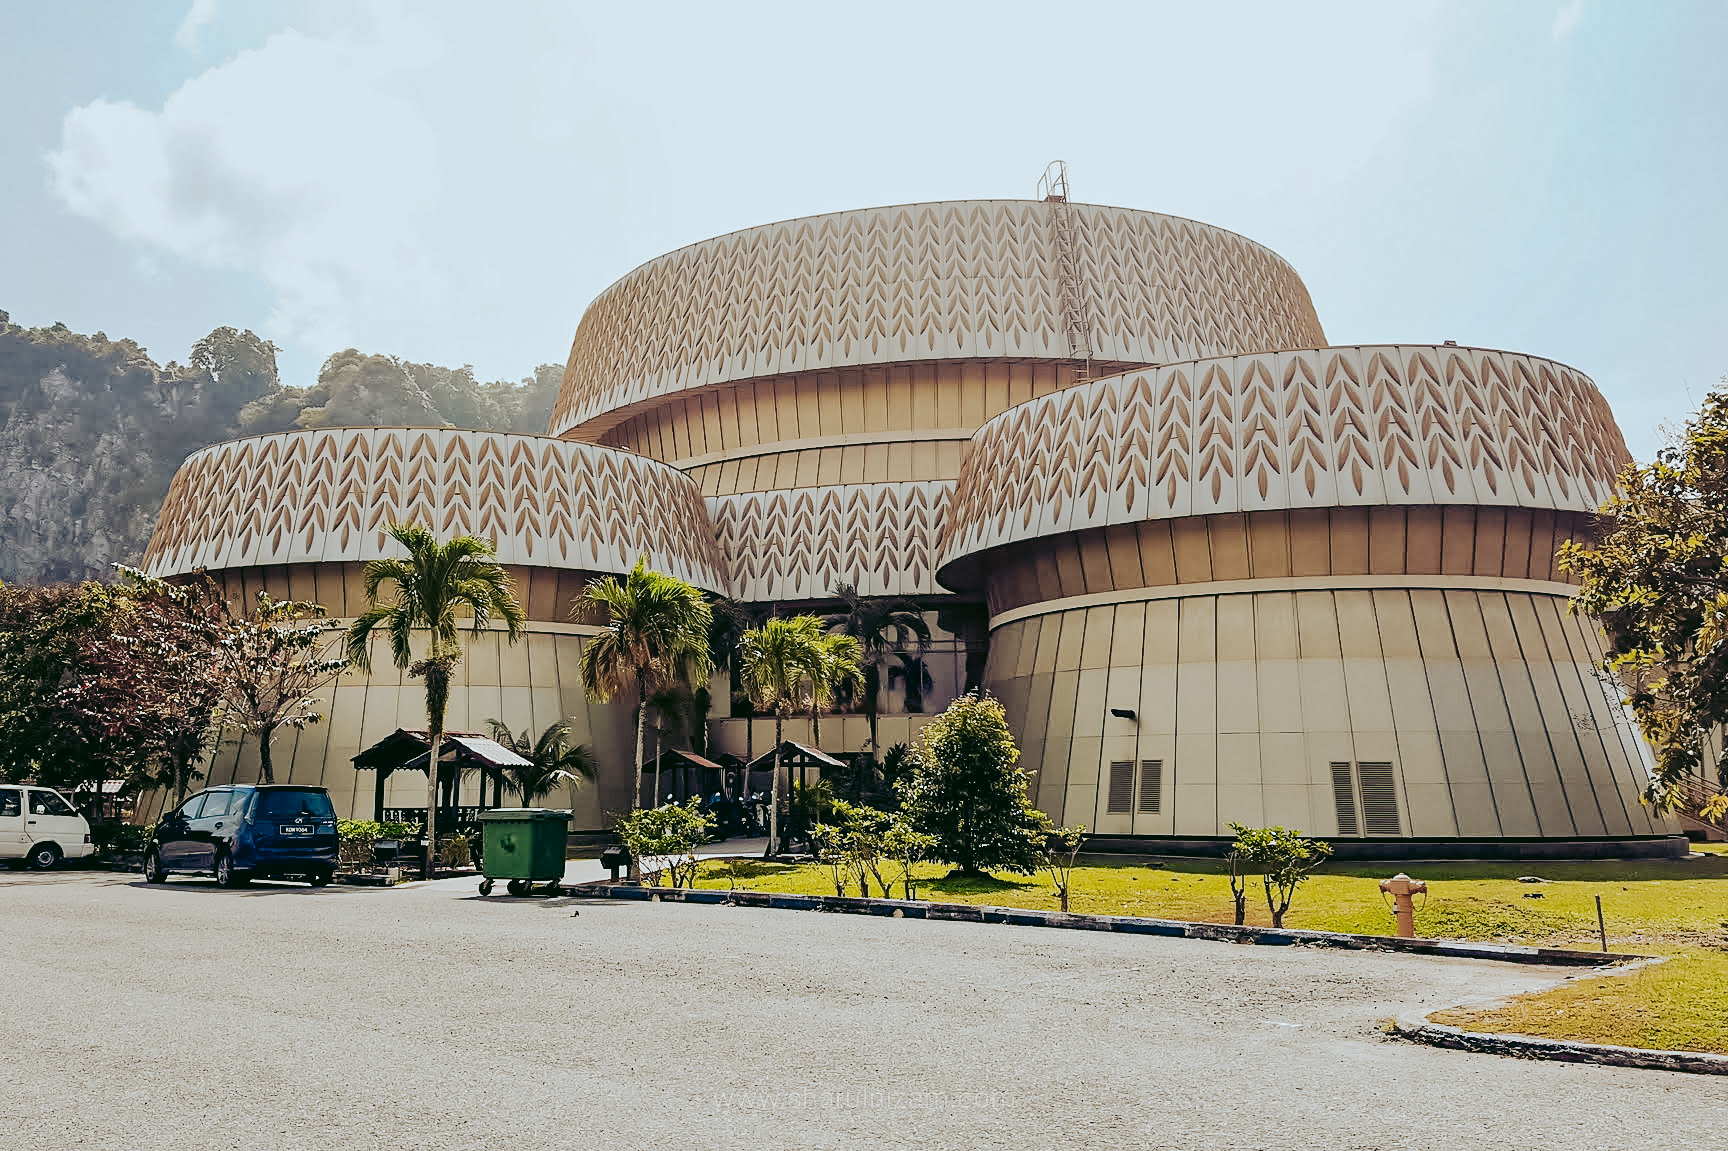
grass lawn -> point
(1677, 908)
(1646, 903)
(1678, 1005)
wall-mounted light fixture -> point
(1123, 713)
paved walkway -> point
(284, 1017)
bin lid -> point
(525, 815)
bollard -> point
(1401, 887)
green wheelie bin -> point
(524, 845)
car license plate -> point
(295, 829)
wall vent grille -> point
(1344, 795)
(1121, 787)
(1151, 786)
(1379, 799)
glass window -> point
(189, 810)
(11, 802)
(49, 803)
(216, 805)
(288, 804)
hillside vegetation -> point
(92, 429)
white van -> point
(38, 827)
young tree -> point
(1657, 580)
(1061, 851)
(781, 661)
(1240, 869)
(271, 663)
(552, 760)
(656, 635)
(907, 847)
(883, 626)
(432, 584)
(1284, 860)
(967, 790)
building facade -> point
(1218, 570)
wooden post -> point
(1601, 925)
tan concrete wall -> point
(1484, 702)
(530, 684)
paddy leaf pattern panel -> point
(921, 282)
(797, 544)
(329, 495)
(1319, 428)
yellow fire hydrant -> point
(1401, 887)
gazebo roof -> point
(675, 759)
(408, 748)
(795, 754)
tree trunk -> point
(635, 872)
(437, 700)
(265, 774)
(1241, 910)
(774, 792)
(641, 723)
(872, 686)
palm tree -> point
(552, 760)
(656, 635)
(732, 618)
(781, 661)
(432, 583)
(841, 657)
(883, 626)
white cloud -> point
(202, 13)
(1567, 18)
(306, 160)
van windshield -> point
(288, 804)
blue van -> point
(240, 833)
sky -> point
(454, 183)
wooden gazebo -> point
(407, 749)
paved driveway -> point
(283, 1017)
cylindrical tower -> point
(299, 514)
(820, 378)
(1314, 588)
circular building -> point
(1314, 588)
(1218, 570)
(299, 514)
(821, 378)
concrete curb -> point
(1125, 924)
(1417, 1029)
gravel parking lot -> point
(286, 1017)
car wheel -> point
(226, 876)
(154, 872)
(43, 856)
(321, 878)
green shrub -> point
(670, 835)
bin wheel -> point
(520, 887)
(485, 887)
